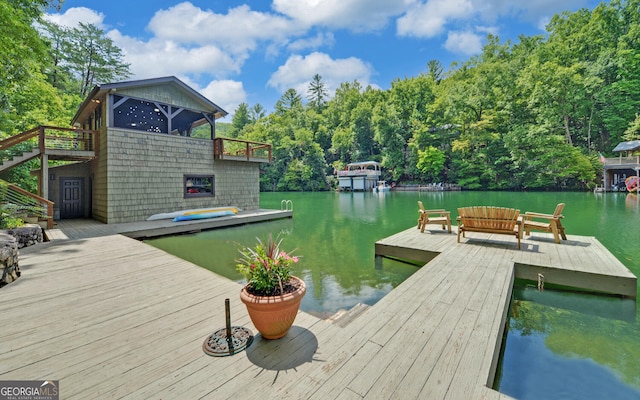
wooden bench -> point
(489, 220)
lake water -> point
(559, 345)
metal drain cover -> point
(218, 345)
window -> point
(198, 185)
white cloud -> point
(163, 57)
(73, 16)
(429, 19)
(320, 40)
(493, 30)
(356, 15)
(238, 31)
(466, 43)
(537, 12)
(298, 71)
(227, 94)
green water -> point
(559, 345)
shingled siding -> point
(99, 172)
(145, 174)
(237, 183)
(168, 94)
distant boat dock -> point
(435, 187)
(359, 176)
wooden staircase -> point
(46, 143)
(65, 144)
(9, 163)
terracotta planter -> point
(273, 315)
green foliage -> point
(9, 214)
(240, 119)
(633, 131)
(222, 130)
(9, 222)
(317, 93)
(431, 162)
(82, 57)
(266, 267)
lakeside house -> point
(139, 148)
(617, 169)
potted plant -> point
(272, 295)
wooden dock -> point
(85, 228)
(110, 317)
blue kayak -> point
(204, 215)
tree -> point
(94, 58)
(240, 119)
(317, 93)
(59, 46)
(434, 70)
(290, 100)
(388, 133)
(21, 51)
(431, 162)
(257, 112)
(633, 131)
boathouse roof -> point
(363, 163)
(628, 146)
(146, 85)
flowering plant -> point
(266, 267)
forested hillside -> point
(532, 114)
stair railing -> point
(23, 199)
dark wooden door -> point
(72, 204)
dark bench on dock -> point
(489, 220)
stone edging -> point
(10, 241)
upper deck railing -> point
(52, 138)
(241, 150)
(359, 172)
(630, 161)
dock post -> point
(378, 262)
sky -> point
(252, 51)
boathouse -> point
(617, 169)
(140, 148)
(359, 176)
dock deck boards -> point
(111, 317)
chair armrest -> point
(529, 215)
(442, 213)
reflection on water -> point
(579, 350)
(334, 235)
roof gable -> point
(169, 90)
